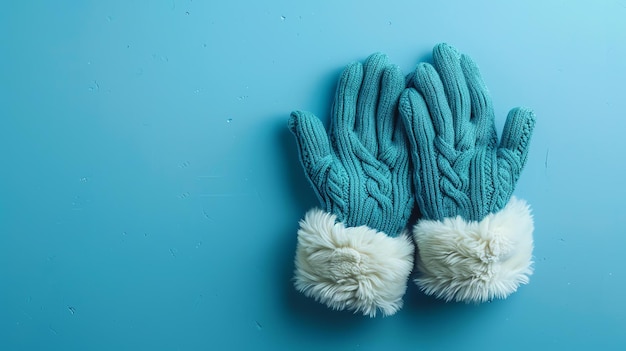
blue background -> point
(150, 190)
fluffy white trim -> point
(476, 261)
(354, 268)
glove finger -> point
(313, 144)
(368, 100)
(344, 110)
(481, 106)
(448, 64)
(516, 135)
(421, 134)
(388, 122)
(430, 86)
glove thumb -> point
(313, 144)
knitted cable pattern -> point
(460, 167)
(360, 168)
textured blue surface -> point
(150, 190)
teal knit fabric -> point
(460, 168)
(360, 169)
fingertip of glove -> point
(519, 126)
(353, 72)
(377, 58)
(523, 110)
(395, 69)
(292, 122)
(424, 69)
(378, 55)
(469, 65)
(445, 48)
(524, 114)
(408, 94)
(426, 77)
(406, 98)
(394, 74)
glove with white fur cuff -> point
(354, 252)
(474, 240)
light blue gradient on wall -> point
(150, 190)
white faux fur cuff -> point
(476, 261)
(354, 268)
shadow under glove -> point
(353, 254)
(475, 239)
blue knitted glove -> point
(352, 253)
(475, 239)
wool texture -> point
(460, 168)
(352, 268)
(360, 170)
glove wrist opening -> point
(352, 268)
(476, 261)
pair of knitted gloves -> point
(428, 142)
